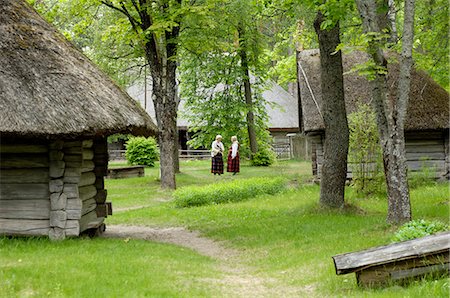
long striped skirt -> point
(233, 164)
(217, 164)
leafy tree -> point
(222, 80)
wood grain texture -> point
(24, 191)
(35, 175)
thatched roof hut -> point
(56, 110)
(48, 88)
(427, 120)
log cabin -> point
(426, 123)
(56, 111)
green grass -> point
(285, 239)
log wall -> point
(424, 151)
(54, 188)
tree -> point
(157, 27)
(390, 110)
(334, 170)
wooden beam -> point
(24, 209)
(90, 221)
(23, 148)
(25, 161)
(87, 192)
(87, 178)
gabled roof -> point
(49, 88)
(428, 106)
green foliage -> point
(232, 191)
(418, 228)
(118, 137)
(426, 175)
(264, 157)
(364, 155)
(142, 151)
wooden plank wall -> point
(424, 150)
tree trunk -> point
(247, 92)
(334, 169)
(390, 112)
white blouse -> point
(234, 149)
(216, 147)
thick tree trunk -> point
(247, 93)
(390, 114)
(334, 169)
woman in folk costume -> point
(217, 156)
(233, 156)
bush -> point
(231, 191)
(264, 157)
(418, 228)
(142, 151)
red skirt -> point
(217, 164)
(233, 164)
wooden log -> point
(24, 209)
(101, 195)
(421, 148)
(25, 161)
(56, 168)
(69, 144)
(88, 206)
(58, 218)
(100, 171)
(73, 158)
(103, 210)
(100, 159)
(99, 183)
(73, 150)
(90, 221)
(72, 175)
(56, 234)
(73, 214)
(23, 148)
(72, 228)
(74, 204)
(56, 155)
(71, 191)
(87, 143)
(87, 178)
(87, 192)
(56, 185)
(87, 166)
(420, 156)
(24, 191)
(88, 154)
(36, 175)
(56, 145)
(26, 227)
(58, 201)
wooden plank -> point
(73, 214)
(56, 155)
(425, 156)
(24, 191)
(101, 195)
(350, 262)
(23, 148)
(72, 228)
(35, 175)
(73, 150)
(99, 183)
(73, 158)
(423, 148)
(24, 209)
(419, 165)
(74, 204)
(87, 192)
(87, 178)
(125, 172)
(23, 161)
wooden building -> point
(56, 110)
(427, 120)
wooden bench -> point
(397, 262)
(125, 172)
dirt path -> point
(238, 279)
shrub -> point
(364, 154)
(142, 151)
(231, 191)
(264, 157)
(418, 228)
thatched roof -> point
(48, 88)
(428, 106)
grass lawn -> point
(285, 240)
